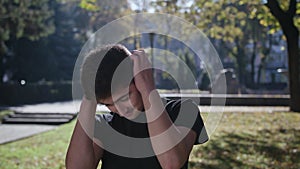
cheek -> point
(136, 101)
(112, 109)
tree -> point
(102, 12)
(230, 22)
(23, 19)
(288, 24)
(288, 20)
(54, 55)
(46, 35)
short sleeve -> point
(186, 113)
(101, 124)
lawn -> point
(242, 140)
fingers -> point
(138, 53)
(140, 59)
(142, 69)
(139, 50)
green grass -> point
(46, 150)
(4, 113)
(242, 140)
(252, 140)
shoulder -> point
(185, 112)
(181, 109)
(103, 117)
(181, 104)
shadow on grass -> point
(266, 149)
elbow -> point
(68, 162)
(172, 164)
(173, 160)
(76, 162)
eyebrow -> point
(120, 98)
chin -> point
(133, 115)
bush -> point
(16, 94)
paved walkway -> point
(10, 132)
(58, 107)
(13, 132)
(246, 109)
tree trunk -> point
(240, 57)
(294, 79)
(254, 48)
(253, 56)
(285, 19)
(1, 69)
(2, 53)
(260, 67)
(266, 53)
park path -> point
(57, 107)
(13, 132)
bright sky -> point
(139, 4)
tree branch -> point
(275, 9)
(292, 8)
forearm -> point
(81, 151)
(164, 135)
(171, 150)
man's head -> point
(98, 70)
(107, 72)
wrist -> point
(147, 91)
(89, 101)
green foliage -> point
(89, 5)
(102, 12)
(227, 19)
(297, 18)
(236, 23)
(224, 20)
(31, 19)
(48, 34)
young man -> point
(142, 130)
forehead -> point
(121, 92)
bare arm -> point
(82, 151)
(159, 121)
(172, 147)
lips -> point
(127, 114)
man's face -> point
(125, 102)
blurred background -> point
(257, 41)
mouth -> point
(131, 114)
(127, 114)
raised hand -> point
(143, 72)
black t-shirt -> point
(126, 143)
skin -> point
(126, 102)
(84, 152)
